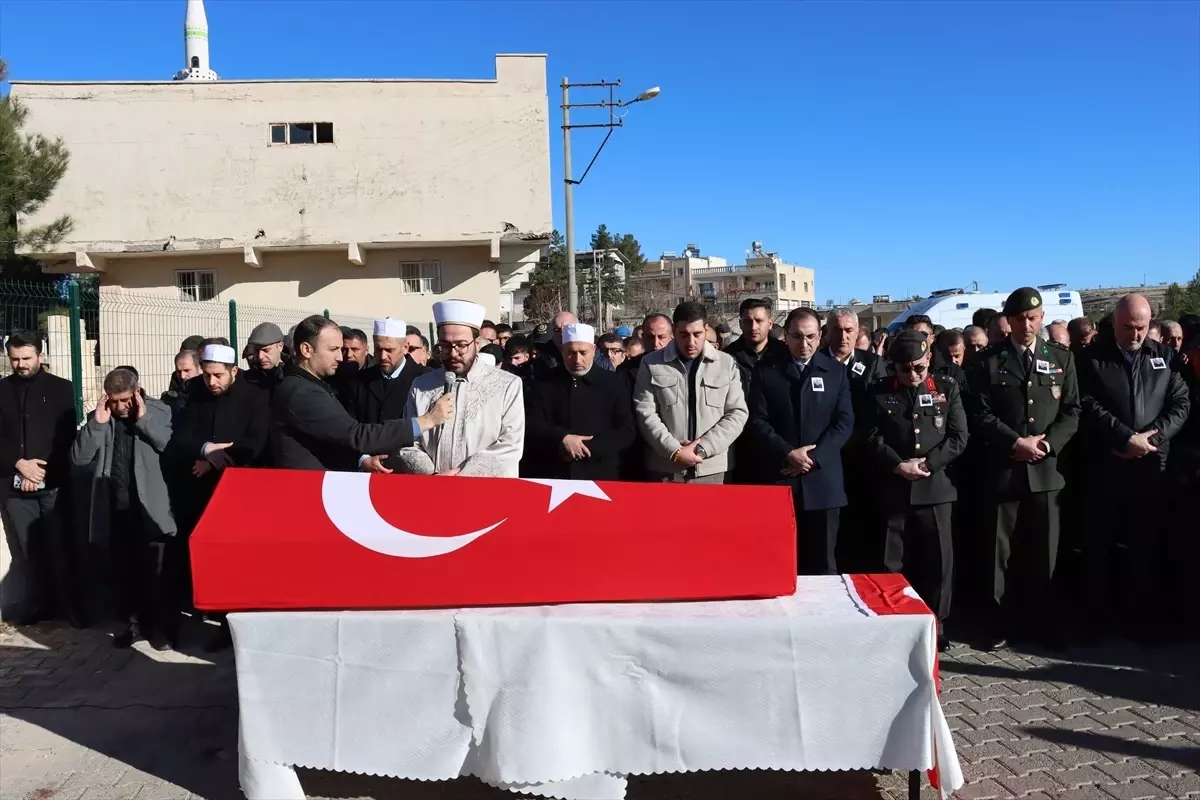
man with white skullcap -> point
(486, 434)
(380, 392)
(226, 425)
(579, 415)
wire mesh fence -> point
(128, 328)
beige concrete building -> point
(673, 278)
(365, 197)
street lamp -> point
(569, 183)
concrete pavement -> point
(82, 721)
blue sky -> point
(894, 147)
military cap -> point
(1024, 299)
(910, 345)
(541, 329)
(191, 343)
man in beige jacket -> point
(688, 404)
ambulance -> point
(953, 308)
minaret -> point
(195, 42)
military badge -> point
(938, 422)
(1056, 391)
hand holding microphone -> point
(443, 409)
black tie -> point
(1028, 361)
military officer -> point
(918, 427)
(1023, 402)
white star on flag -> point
(562, 489)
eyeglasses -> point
(917, 368)
(458, 347)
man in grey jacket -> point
(123, 439)
(688, 404)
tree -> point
(548, 282)
(645, 297)
(1182, 300)
(31, 165)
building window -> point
(301, 133)
(196, 284)
(195, 62)
(806, 287)
(421, 277)
(793, 286)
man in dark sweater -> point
(37, 426)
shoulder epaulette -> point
(1053, 343)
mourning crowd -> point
(1038, 470)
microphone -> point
(450, 378)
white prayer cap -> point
(458, 312)
(487, 359)
(219, 353)
(391, 328)
(578, 332)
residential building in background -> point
(673, 278)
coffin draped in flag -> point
(296, 539)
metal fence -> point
(87, 330)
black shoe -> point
(127, 637)
(943, 642)
(222, 639)
(162, 645)
(994, 643)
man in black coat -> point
(379, 392)
(918, 428)
(312, 430)
(1024, 407)
(37, 428)
(578, 418)
(860, 548)
(801, 417)
(657, 333)
(267, 357)
(1133, 405)
(755, 344)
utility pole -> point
(569, 183)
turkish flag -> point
(290, 539)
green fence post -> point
(76, 348)
(326, 313)
(233, 324)
(432, 337)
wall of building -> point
(194, 160)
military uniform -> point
(926, 422)
(1017, 392)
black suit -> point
(788, 410)
(746, 466)
(37, 420)
(924, 422)
(313, 431)
(1013, 396)
(372, 398)
(1122, 397)
(558, 404)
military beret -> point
(1024, 299)
(908, 346)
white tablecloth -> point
(567, 700)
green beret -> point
(1024, 299)
(908, 346)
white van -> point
(953, 308)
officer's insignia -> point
(939, 398)
(1033, 301)
(938, 422)
(924, 346)
(1056, 391)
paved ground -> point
(81, 721)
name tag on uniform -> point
(858, 368)
(1158, 363)
(925, 400)
(1043, 367)
(818, 384)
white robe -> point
(486, 434)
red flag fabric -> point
(297, 539)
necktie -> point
(1028, 361)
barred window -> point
(196, 284)
(421, 277)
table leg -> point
(914, 785)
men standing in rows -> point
(801, 417)
(688, 404)
(917, 429)
(1024, 405)
(1134, 404)
(187, 366)
(266, 357)
(655, 335)
(859, 543)
(755, 344)
(37, 426)
(124, 440)
(380, 392)
(312, 430)
(486, 434)
(577, 417)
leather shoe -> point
(127, 637)
(943, 642)
(995, 643)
